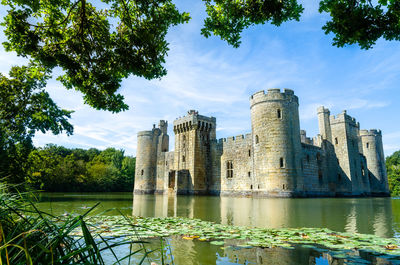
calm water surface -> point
(379, 216)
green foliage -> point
(361, 22)
(30, 236)
(25, 108)
(220, 234)
(393, 170)
(56, 168)
(99, 43)
(96, 47)
(228, 18)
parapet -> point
(344, 117)
(371, 132)
(194, 121)
(324, 110)
(273, 94)
(236, 139)
(145, 133)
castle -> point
(276, 159)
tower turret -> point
(372, 149)
(150, 145)
(276, 142)
(146, 161)
(324, 123)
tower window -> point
(142, 172)
(320, 176)
(279, 114)
(229, 169)
(367, 145)
(281, 162)
(256, 139)
(283, 187)
(183, 159)
(336, 141)
(249, 152)
(249, 174)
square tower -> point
(192, 157)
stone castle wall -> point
(237, 151)
(275, 159)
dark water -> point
(379, 216)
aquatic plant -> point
(219, 234)
(31, 236)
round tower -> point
(276, 143)
(372, 149)
(146, 162)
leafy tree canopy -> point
(96, 47)
(97, 43)
(393, 171)
(362, 22)
(25, 108)
(56, 168)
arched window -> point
(183, 159)
(279, 114)
(256, 139)
(249, 152)
(142, 172)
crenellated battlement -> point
(145, 133)
(273, 94)
(344, 117)
(194, 121)
(236, 139)
(371, 132)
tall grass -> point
(30, 236)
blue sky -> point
(217, 80)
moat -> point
(379, 216)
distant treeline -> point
(393, 170)
(56, 168)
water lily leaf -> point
(217, 243)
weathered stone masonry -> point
(276, 159)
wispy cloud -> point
(216, 79)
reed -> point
(31, 236)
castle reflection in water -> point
(365, 215)
(358, 215)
